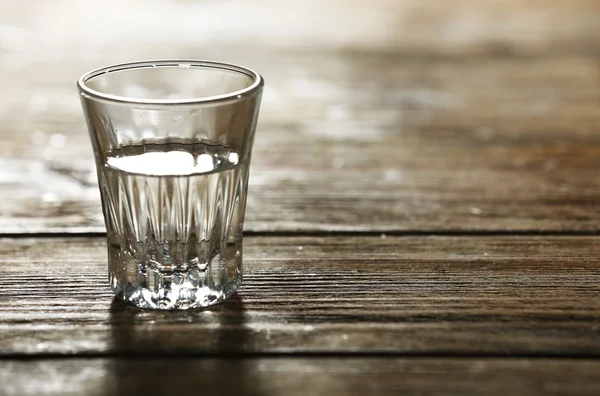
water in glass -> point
(174, 215)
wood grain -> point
(346, 295)
(463, 117)
(454, 145)
(378, 115)
(301, 376)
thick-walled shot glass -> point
(172, 142)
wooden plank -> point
(456, 145)
(300, 376)
(394, 295)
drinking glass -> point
(172, 141)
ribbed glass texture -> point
(172, 143)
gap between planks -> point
(312, 355)
(320, 233)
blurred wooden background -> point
(394, 94)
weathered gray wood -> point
(299, 376)
(418, 295)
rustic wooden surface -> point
(421, 217)
(370, 132)
(301, 376)
(394, 295)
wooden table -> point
(423, 208)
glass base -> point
(148, 284)
(175, 296)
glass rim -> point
(250, 90)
